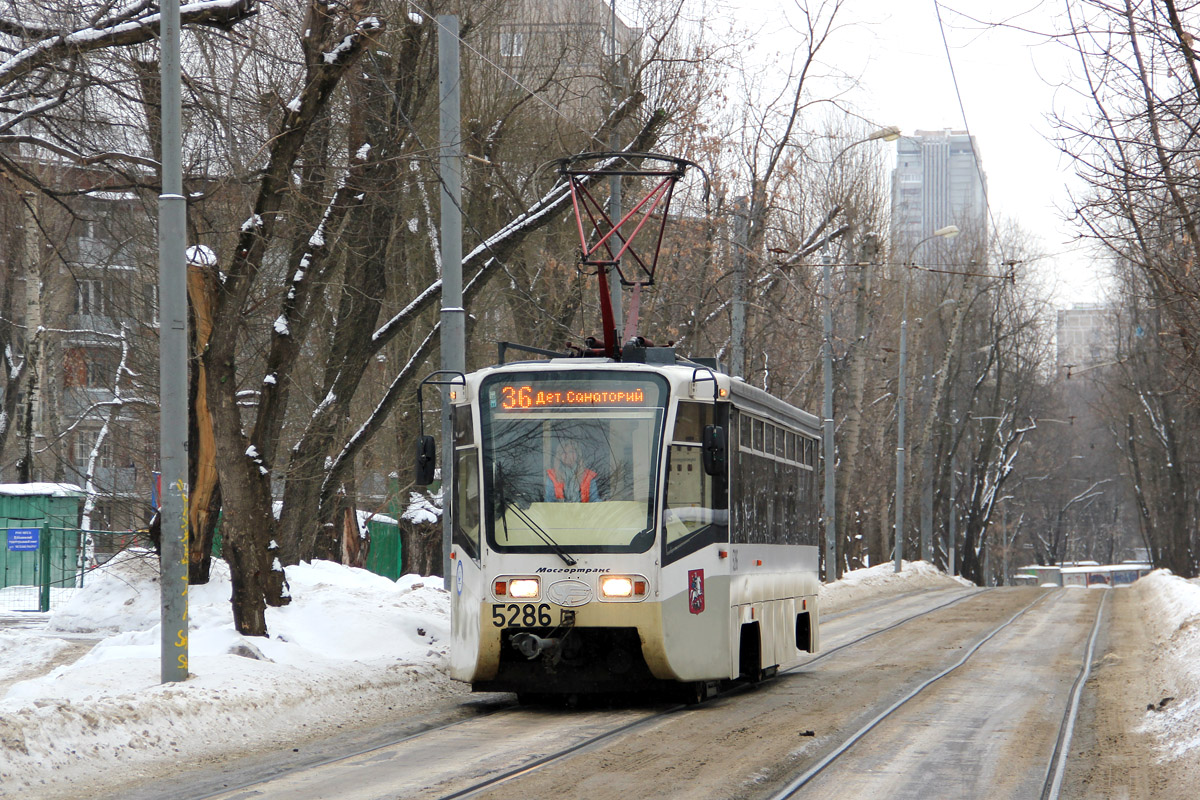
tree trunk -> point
(420, 547)
(247, 524)
(204, 497)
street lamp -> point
(948, 232)
(888, 134)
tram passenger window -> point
(466, 500)
(772, 495)
(744, 426)
(757, 444)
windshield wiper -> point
(505, 506)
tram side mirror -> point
(426, 460)
(713, 451)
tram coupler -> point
(531, 645)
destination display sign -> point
(520, 397)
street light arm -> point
(889, 134)
(947, 232)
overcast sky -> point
(1010, 81)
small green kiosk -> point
(40, 524)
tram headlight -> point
(523, 588)
(616, 586)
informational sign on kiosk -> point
(23, 539)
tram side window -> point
(694, 513)
(807, 499)
(462, 426)
(465, 506)
(466, 499)
(771, 491)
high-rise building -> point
(1086, 338)
(938, 181)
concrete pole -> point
(737, 333)
(901, 390)
(172, 360)
(453, 333)
(831, 561)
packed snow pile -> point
(352, 647)
(856, 586)
(27, 652)
(1172, 615)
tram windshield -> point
(571, 460)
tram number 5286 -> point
(526, 616)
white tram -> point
(628, 526)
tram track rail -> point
(492, 710)
(1057, 764)
(486, 710)
(1062, 746)
(659, 716)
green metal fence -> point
(384, 556)
(41, 567)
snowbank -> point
(1172, 615)
(883, 581)
(352, 647)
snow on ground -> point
(27, 652)
(353, 649)
(880, 581)
(1172, 612)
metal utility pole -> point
(948, 232)
(900, 395)
(737, 333)
(453, 333)
(172, 360)
(987, 564)
(831, 565)
(614, 182)
(953, 522)
(1004, 540)
(927, 474)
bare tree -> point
(1136, 149)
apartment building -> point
(82, 308)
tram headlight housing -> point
(622, 587)
(523, 588)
